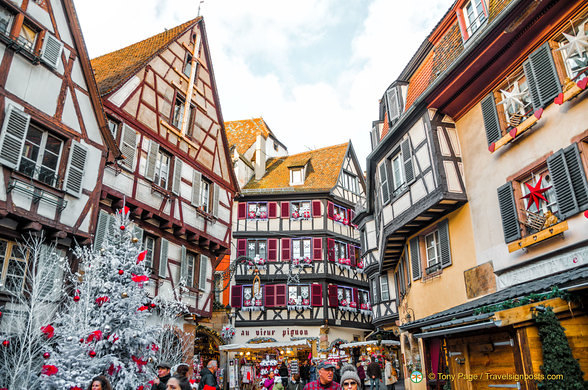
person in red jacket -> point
(326, 371)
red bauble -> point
(0, 314)
(120, 272)
(585, 214)
(76, 298)
(46, 355)
(81, 340)
(6, 343)
(92, 354)
(152, 305)
(122, 227)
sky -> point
(313, 69)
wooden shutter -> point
(330, 249)
(407, 265)
(272, 249)
(151, 159)
(269, 295)
(316, 208)
(330, 210)
(285, 207)
(544, 76)
(183, 265)
(384, 183)
(332, 294)
(215, 199)
(76, 165)
(196, 183)
(272, 210)
(102, 228)
(317, 248)
(569, 181)
(531, 83)
(508, 212)
(353, 255)
(241, 247)
(163, 257)
(14, 131)
(444, 244)
(351, 214)
(202, 283)
(242, 211)
(177, 176)
(316, 294)
(236, 296)
(491, 122)
(407, 160)
(128, 146)
(355, 296)
(281, 291)
(286, 245)
(51, 51)
(415, 258)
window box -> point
(542, 235)
(301, 262)
(256, 262)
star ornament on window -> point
(576, 43)
(251, 246)
(535, 194)
(513, 98)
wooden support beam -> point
(58, 235)
(36, 226)
(3, 213)
(137, 212)
(117, 205)
(166, 225)
(525, 313)
(191, 236)
(148, 215)
(204, 242)
(103, 194)
(179, 231)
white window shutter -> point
(128, 146)
(151, 159)
(76, 165)
(163, 258)
(183, 265)
(215, 199)
(196, 182)
(203, 270)
(51, 51)
(14, 131)
(177, 176)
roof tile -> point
(242, 134)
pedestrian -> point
(311, 372)
(390, 374)
(305, 373)
(278, 385)
(178, 382)
(361, 373)
(163, 375)
(337, 376)
(374, 373)
(295, 383)
(100, 383)
(326, 372)
(268, 384)
(349, 378)
(284, 372)
(207, 375)
(182, 370)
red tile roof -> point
(242, 134)
(113, 69)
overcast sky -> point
(313, 69)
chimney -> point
(260, 157)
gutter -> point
(459, 329)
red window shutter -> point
(352, 251)
(330, 210)
(333, 300)
(269, 294)
(281, 293)
(316, 208)
(285, 206)
(317, 248)
(272, 249)
(272, 210)
(316, 295)
(241, 210)
(351, 215)
(236, 293)
(330, 249)
(286, 249)
(355, 296)
(241, 247)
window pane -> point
(178, 113)
(27, 37)
(307, 248)
(5, 21)
(188, 65)
(251, 249)
(262, 248)
(295, 249)
(204, 194)
(190, 259)
(149, 245)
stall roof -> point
(277, 344)
(371, 342)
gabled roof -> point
(242, 134)
(114, 69)
(322, 170)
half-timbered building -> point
(176, 178)
(299, 273)
(54, 140)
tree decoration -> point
(102, 300)
(94, 336)
(49, 370)
(48, 330)
(122, 227)
(513, 99)
(76, 298)
(92, 353)
(46, 355)
(6, 343)
(535, 193)
(142, 308)
(120, 271)
(124, 295)
(576, 43)
(139, 278)
(141, 256)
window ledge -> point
(571, 90)
(538, 237)
(207, 216)
(160, 190)
(515, 132)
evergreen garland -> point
(557, 355)
(516, 302)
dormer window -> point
(472, 15)
(393, 103)
(296, 176)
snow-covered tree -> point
(174, 344)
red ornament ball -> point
(92, 354)
(76, 298)
(81, 340)
(122, 227)
(46, 355)
(152, 305)
(585, 214)
(120, 272)
(6, 343)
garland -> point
(258, 340)
(516, 302)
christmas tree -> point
(103, 327)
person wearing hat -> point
(349, 378)
(326, 371)
(163, 375)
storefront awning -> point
(372, 342)
(249, 347)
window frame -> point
(150, 255)
(10, 22)
(42, 150)
(257, 249)
(431, 262)
(205, 195)
(158, 178)
(298, 291)
(348, 179)
(302, 254)
(561, 60)
(384, 285)
(299, 214)
(253, 297)
(12, 248)
(258, 213)
(293, 171)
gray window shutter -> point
(545, 75)
(535, 99)
(569, 181)
(138, 233)
(183, 265)
(401, 278)
(14, 131)
(203, 270)
(215, 199)
(384, 179)
(102, 228)
(444, 244)
(177, 176)
(508, 212)
(407, 159)
(491, 122)
(128, 146)
(51, 51)
(151, 159)
(75, 169)
(407, 265)
(163, 258)
(415, 258)
(196, 180)
(393, 104)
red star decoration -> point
(535, 193)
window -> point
(27, 37)
(188, 65)
(299, 295)
(344, 296)
(364, 300)
(256, 249)
(575, 59)
(296, 176)
(350, 182)
(202, 277)
(14, 266)
(515, 102)
(397, 171)
(384, 291)
(40, 156)
(301, 248)
(218, 286)
(162, 166)
(149, 246)
(6, 19)
(432, 248)
(178, 116)
(340, 250)
(337, 213)
(393, 103)
(375, 288)
(300, 210)
(113, 127)
(541, 180)
(257, 210)
(474, 15)
(205, 188)
(252, 301)
(189, 273)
